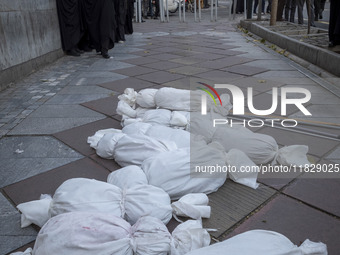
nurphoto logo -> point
(239, 105)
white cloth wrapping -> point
(128, 149)
(84, 233)
(260, 148)
(127, 194)
(172, 171)
(86, 195)
(261, 242)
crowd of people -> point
(93, 24)
(287, 8)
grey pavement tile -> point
(209, 56)
(314, 192)
(76, 137)
(274, 74)
(245, 70)
(164, 56)
(163, 65)
(296, 81)
(188, 70)
(47, 182)
(258, 54)
(334, 155)
(231, 203)
(317, 146)
(325, 99)
(63, 111)
(225, 62)
(160, 77)
(141, 60)
(12, 235)
(84, 90)
(107, 65)
(272, 65)
(187, 60)
(29, 156)
(257, 84)
(135, 70)
(69, 99)
(42, 126)
(296, 221)
(105, 105)
(130, 82)
(78, 81)
(219, 76)
(124, 56)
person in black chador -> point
(69, 24)
(99, 17)
(129, 17)
(121, 8)
(334, 24)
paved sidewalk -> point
(46, 118)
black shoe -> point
(73, 52)
(320, 15)
(105, 55)
(155, 17)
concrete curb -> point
(325, 59)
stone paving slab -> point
(135, 70)
(12, 235)
(105, 105)
(245, 70)
(295, 220)
(46, 183)
(76, 138)
(231, 203)
(160, 77)
(130, 82)
(311, 191)
(25, 156)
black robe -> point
(129, 17)
(99, 20)
(69, 23)
(120, 7)
(334, 22)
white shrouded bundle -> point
(127, 149)
(261, 242)
(260, 148)
(127, 195)
(84, 233)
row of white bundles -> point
(174, 99)
(262, 242)
(260, 148)
(174, 170)
(86, 233)
(126, 195)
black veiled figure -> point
(121, 8)
(99, 20)
(129, 17)
(69, 23)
